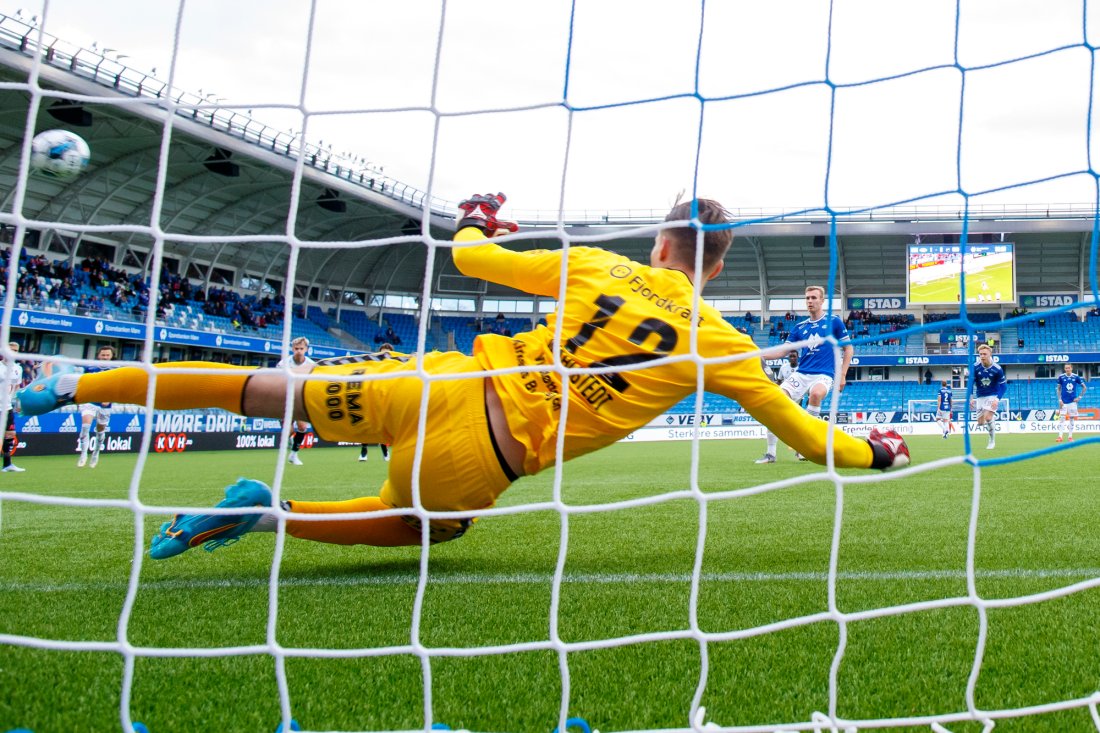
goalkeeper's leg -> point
(461, 468)
(223, 388)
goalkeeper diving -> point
(481, 433)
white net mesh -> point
(768, 628)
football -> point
(59, 154)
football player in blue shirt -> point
(990, 385)
(1071, 388)
(943, 409)
(814, 374)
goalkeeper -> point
(482, 433)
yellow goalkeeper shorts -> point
(459, 469)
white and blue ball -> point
(59, 154)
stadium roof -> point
(228, 200)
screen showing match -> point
(936, 273)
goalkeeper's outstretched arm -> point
(809, 435)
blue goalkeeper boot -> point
(41, 396)
(212, 530)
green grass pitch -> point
(64, 573)
(946, 289)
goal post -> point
(920, 412)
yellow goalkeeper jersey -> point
(618, 312)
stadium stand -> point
(895, 396)
(95, 288)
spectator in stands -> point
(391, 336)
(928, 376)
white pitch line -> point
(410, 579)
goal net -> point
(675, 586)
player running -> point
(813, 376)
(990, 385)
(636, 323)
(298, 362)
(1071, 388)
(943, 408)
(97, 412)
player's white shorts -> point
(986, 404)
(943, 415)
(1069, 409)
(101, 415)
(797, 385)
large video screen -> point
(934, 270)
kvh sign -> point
(876, 304)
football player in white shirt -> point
(789, 366)
(299, 362)
(97, 412)
(11, 378)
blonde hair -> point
(818, 288)
(985, 346)
(300, 341)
